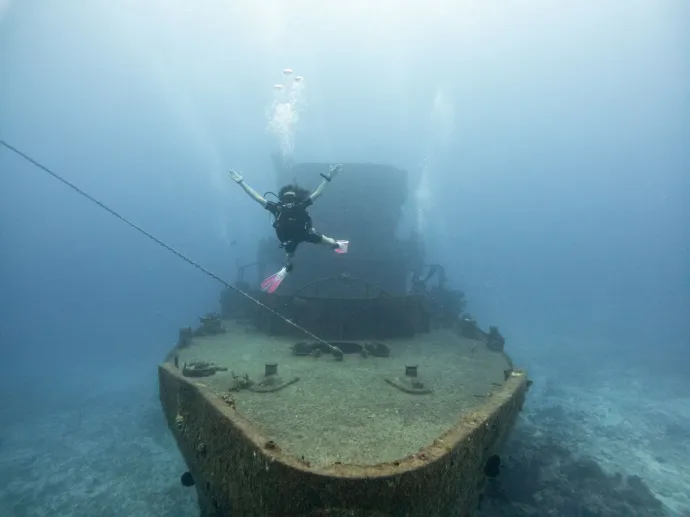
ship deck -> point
(344, 411)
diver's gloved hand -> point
(236, 176)
(334, 171)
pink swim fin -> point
(272, 282)
(342, 246)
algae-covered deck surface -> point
(344, 411)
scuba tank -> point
(292, 218)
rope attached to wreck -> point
(336, 351)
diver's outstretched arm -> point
(326, 180)
(237, 178)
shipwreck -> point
(396, 403)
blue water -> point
(549, 171)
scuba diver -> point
(292, 221)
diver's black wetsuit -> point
(293, 224)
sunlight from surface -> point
(4, 8)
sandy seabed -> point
(107, 451)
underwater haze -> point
(549, 171)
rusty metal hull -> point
(239, 472)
